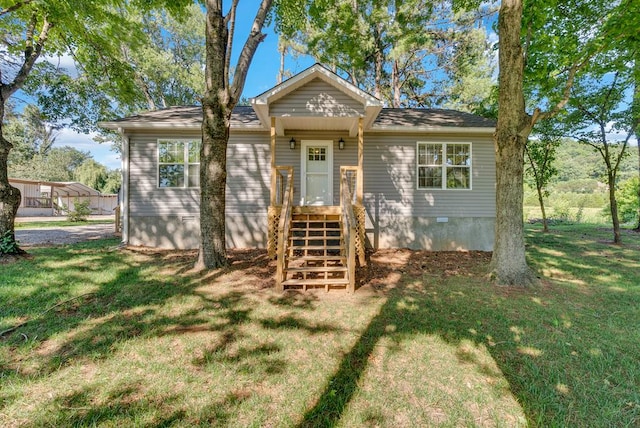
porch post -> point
(359, 176)
(273, 161)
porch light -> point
(292, 143)
(341, 143)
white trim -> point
(164, 125)
(125, 188)
(185, 162)
(444, 165)
(303, 167)
(432, 129)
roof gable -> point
(336, 97)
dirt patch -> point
(383, 270)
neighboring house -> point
(417, 178)
(50, 198)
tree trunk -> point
(508, 263)
(637, 228)
(217, 105)
(636, 109)
(545, 223)
(9, 196)
(213, 151)
(613, 203)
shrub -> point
(80, 211)
(7, 244)
(627, 197)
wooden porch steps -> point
(315, 251)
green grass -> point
(59, 223)
(425, 341)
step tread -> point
(317, 269)
(316, 247)
(315, 238)
(322, 258)
(329, 281)
(314, 229)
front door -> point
(317, 172)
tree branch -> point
(249, 49)
(15, 7)
(31, 54)
(230, 23)
(566, 94)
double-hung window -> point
(178, 163)
(444, 165)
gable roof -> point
(368, 105)
(245, 118)
(323, 101)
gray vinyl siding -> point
(248, 166)
(398, 213)
(248, 174)
(317, 98)
(390, 184)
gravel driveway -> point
(63, 235)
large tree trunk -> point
(637, 228)
(636, 109)
(217, 105)
(508, 263)
(213, 152)
(9, 196)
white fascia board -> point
(155, 126)
(371, 113)
(308, 75)
(433, 130)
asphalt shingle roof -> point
(244, 116)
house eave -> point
(433, 130)
(124, 127)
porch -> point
(318, 239)
(316, 243)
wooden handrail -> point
(281, 178)
(349, 223)
(284, 225)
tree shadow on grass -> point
(132, 304)
(444, 295)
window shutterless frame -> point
(448, 164)
(177, 163)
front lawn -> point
(140, 340)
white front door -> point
(317, 172)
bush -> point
(7, 244)
(80, 211)
(627, 197)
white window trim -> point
(186, 162)
(444, 166)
